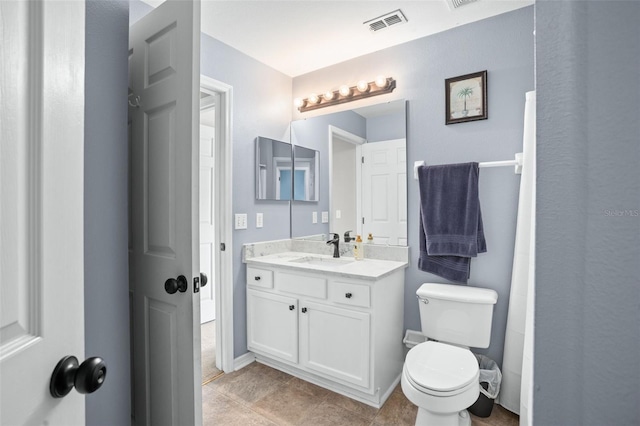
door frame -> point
(223, 260)
(358, 142)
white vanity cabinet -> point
(342, 333)
(335, 342)
(273, 324)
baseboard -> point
(243, 360)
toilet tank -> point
(457, 314)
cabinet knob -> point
(257, 278)
(304, 310)
(348, 295)
(292, 307)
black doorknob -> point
(172, 285)
(87, 377)
(203, 279)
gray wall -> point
(504, 46)
(587, 367)
(387, 127)
(106, 293)
(259, 109)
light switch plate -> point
(314, 217)
(241, 221)
(259, 220)
(338, 214)
(325, 217)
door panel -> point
(41, 207)
(165, 75)
(384, 192)
(272, 325)
(159, 181)
(335, 342)
(163, 324)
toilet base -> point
(443, 410)
(427, 418)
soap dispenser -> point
(358, 250)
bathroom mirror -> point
(273, 169)
(306, 174)
(361, 197)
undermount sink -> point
(322, 261)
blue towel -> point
(450, 220)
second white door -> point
(384, 191)
(207, 220)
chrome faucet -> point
(335, 241)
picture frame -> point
(466, 98)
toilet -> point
(440, 376)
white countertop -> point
(369, 269)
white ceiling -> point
(297, 37)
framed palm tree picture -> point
(466, 98)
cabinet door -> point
(272, 325)
(335, 342)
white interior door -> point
(384, 191)
(41, 207)
(165, 73)
(207, 221)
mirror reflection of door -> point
(384, 191)
(306, 164)
(273, 169)
(301, 183)
(284, 184)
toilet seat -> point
(441, 370)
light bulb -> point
(313, 98)
(381, 81)
(299, 102)
(328, 95)
(345, 90)
(362, 86)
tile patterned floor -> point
(260, 395)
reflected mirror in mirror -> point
(364, 195)
(305, 174)
(273, 169)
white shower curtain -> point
(517, 364)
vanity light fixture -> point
(362, 86)
(361, 90)
(313, 98)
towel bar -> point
(517, 163)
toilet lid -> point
(441, 367)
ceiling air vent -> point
(454, 4)
(387, 20)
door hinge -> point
(196, 284)
(362, 159)
(363, 220)
(223, 247)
